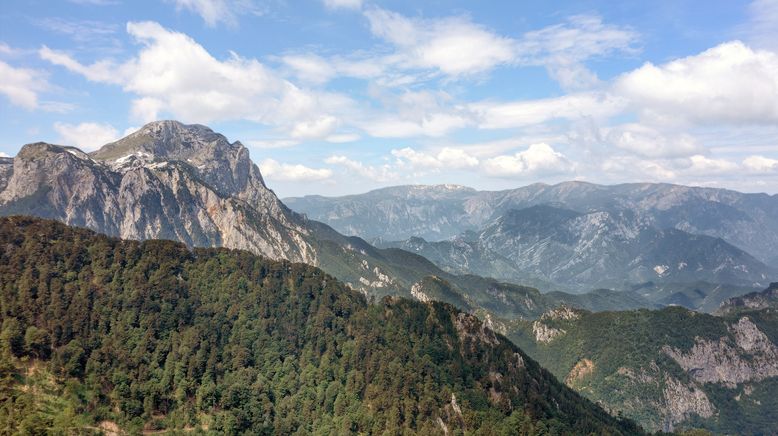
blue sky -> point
(341, 96)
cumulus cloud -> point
(729, 83)
(86, 136)
(4, 154)
(760, 164)
(22, 85)
(700, 164)
(634, 168)
(648, 142)
(448, 157)
(214, 12)
(454, 45)
(173, 74)
(315, 128)
(274, 170)
(382, 173)
(537, 158)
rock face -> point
(544, 333)
(683, 401)
(668, 369)
(165, 181)
(751, 356)
(580, 371)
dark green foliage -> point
(630, 364)
(152, 335)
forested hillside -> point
(103, 333)
(667, 369)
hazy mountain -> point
(151, 336)
(667, 369)
(766, 299)
(554, 247)
(747, 221)
(700, 296)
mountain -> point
(747, 221)
(187, 183)
(579, 251)
(100, 334)
(396, 213)
(699, 296)
(766, 299)
(667, 369)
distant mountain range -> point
(766, 299)
(572, 236)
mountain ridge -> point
(154, 335)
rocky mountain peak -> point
(39, 150)
(170, 140)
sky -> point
(336, 97)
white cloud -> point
(274, 170)
(496, 115)
(700, 164)
(455, 46)
(173, 74)
(448, 158)
(414, 113)
(272, 143)
(316, 128)
(537, 158)
(652, 143)
(621, 168)
(22, 85)
(314, 69)
(760, 164)
(4, 154)
(214, 12)
(343, 4)
(341, 138)
(729, 83)
(381, 173)
(86, 136)
(310, 67)
(7, 49)
(562, 48)
(456, 158)
(433, 124)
